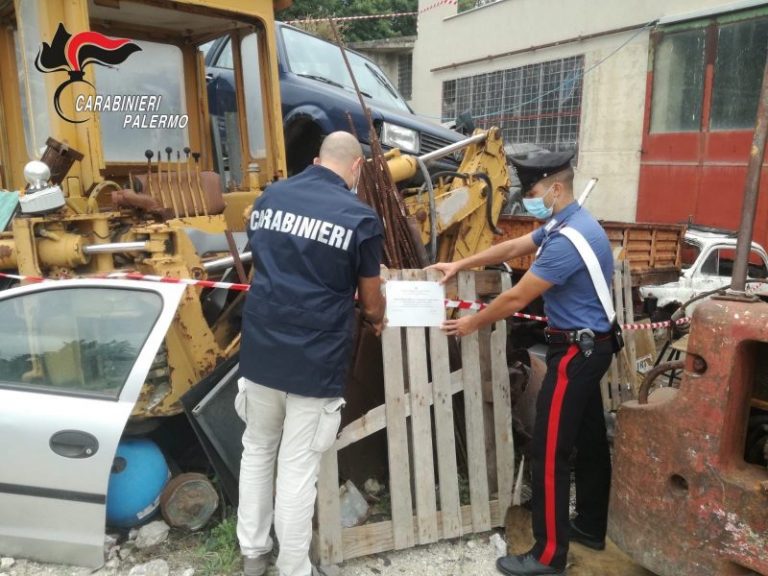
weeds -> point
(220, 553)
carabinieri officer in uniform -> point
(582, 339)
(314, 245)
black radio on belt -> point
(585, 338)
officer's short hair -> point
(340, 148)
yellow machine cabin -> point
(111, 94)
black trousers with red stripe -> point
(569, 413)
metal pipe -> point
(488, 202)
(587, 191)
(235, 257)
(178, 182)
(751, 191)
(187, 150)
(451, 148)
(160, 179)
(203, 196)
(148, 155)
(114, 247)
(226, 262)
(432, 211)
(168, 151)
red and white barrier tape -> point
(187, 281)
(354, 18)
(460, 304)
(437, 4)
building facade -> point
(579, 75)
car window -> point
(720, 262)
(225, 59)
(254, 109)
(308, 55)
(709, 267)
(75, 341)
(126, 137)
(689, 253)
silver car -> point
(73, 357)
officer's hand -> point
(379, 327)
(459, 327)
(449, 269)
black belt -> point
(555, 336)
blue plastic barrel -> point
(139, 474)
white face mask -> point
(356, 181)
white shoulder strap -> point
(595, 272)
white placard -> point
(415, 303)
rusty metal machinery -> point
(66, 245)
(684, 499)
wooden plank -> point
(376, 418)
(487, 283)
(397, 434)
(629, 335)
(329, 541)
(643, 247)
(442, 394)
(473, 408)
(486, 381)
(502, 415)
(640, 235)
(421, 428)
(376, 538)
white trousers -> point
(295, 430)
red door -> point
(701, 105)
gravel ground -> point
(474, 556)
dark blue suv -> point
(318, 98)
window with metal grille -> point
(405, 75)
(534, 104)
(684, 97)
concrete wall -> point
(613, 96)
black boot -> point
(585, 539)
(526, 565)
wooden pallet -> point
(419, 420)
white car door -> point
(73, 358)
(712, 273)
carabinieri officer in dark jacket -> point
(582, 339)
(314, 244)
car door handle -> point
(208, 77)
(74, 444)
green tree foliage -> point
(364, 29)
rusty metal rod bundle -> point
(380, 192)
